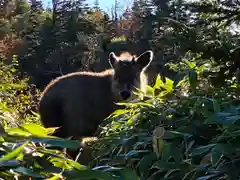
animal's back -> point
(78, 102)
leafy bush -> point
(186, 130)
(183, 129)
(24, 154)
(18, 100)
(4, 28)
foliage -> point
(18, 100)
(186, 128)
(24, 154)
(184, 131)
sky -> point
(105, 5)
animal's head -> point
(127, 72)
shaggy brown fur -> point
(79, 101)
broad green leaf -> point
(182, 83)
(207, 177)
(117, 113)
(9, 163)
(191, 65)
(76, 165)
(90, 174)
(201, 68)
(18, 131)
(217, 153)
(60, 163)
(56, 177)
(57, 142)
(216, 106)
(35, 129)
(123, 173)
(28, 172)
(127, 174)
(14, 153)
(146, 162)
(158, 83)
(227, 118)
(193, 79)
(133, 118)
(168, 174)
(149, 90)
(174, 134)
(202, 149)
(133, 153)
(169, 84)
(166, 166)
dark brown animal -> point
(78, 102)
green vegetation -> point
(18, 99)
(187, 128)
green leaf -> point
(57, 142)
(202, 149)
(10, 163)
(175, 134)
(149, 90)
(217, 153)
(216, 106)
(227, 118)
(127, 174)
(182, 83)
(170, 172)
(35, 129)
(89, 175)
(66, 163)
(14, 153)
(18, 131)
(133, 153)
(193, 79)
(201, 68)
(158, 83)
(117, 113)
(28, 172)
(122, 173)
(166, 166)
(56, 177)
(207, 177)
(169, 84)
(191, 65)
(145, 163)
(76, 165)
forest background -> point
(196, 47)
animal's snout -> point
(125, 94)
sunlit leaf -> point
(14, 153)
(191, 65)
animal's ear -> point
(112, 59)
(144, 59)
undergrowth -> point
(18, 100)
(185, 129)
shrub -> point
(188, 129)
(18, 100)
(183, 129)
